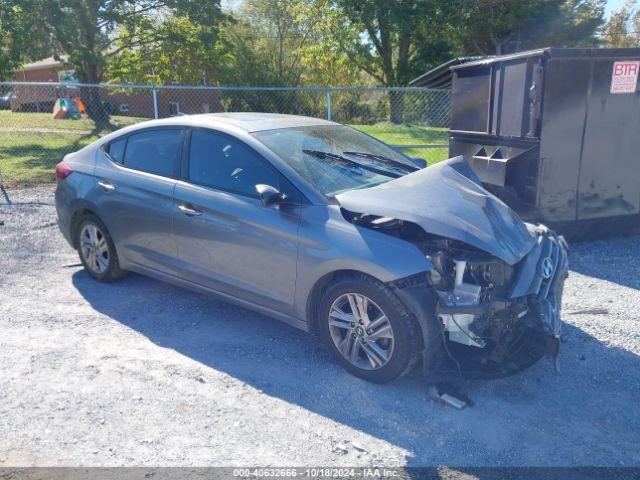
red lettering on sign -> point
(624, 76)
(625, 69)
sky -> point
(230, 4)
(613, 5)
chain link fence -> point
(42, 122)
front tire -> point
(369, 331)
(97, 251)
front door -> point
(226, 239)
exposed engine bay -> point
(496, 318)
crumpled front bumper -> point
(523, 323)
(541, 277)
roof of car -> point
(251, 122)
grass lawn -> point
(9, 119)
(412, 135)
(29, 157)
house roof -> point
(45, 63)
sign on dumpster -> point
(624, 77)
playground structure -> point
(68, 104)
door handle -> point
(189, 211)
(106, 186)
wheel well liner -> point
(313, 301)
(75, 220)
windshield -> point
(335, 158)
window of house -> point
(154, 151)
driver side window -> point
(221, 162)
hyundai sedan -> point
(327, 229)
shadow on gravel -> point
(584, 416)
(615, 260)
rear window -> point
(154, 151)
(116, 150)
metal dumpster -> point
(553, 132)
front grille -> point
(540, 277)
(493, 275)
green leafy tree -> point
(21, 36)
(496, 27)
(623, 28)
(294, 42)
(398, 40)
(286, 43)
(183, 52)
(11, 30)
(92, 32)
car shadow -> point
(583, 416)
(613, 259)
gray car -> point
(327, 229)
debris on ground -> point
(341, 448)
(449, 396)
(590, 311)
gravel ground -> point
(143, 373)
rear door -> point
(227, 240)
(136, 177)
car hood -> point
(447, 199)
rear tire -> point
(389, 349)
(97, 251)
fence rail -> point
(42, 121)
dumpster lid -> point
(554, 53)
(440, 77)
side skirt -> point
(165, 277)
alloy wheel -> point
(94, 248)
(361, 331)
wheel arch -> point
(80, 210)
(78, 214)
(413, 291)
(320, 286)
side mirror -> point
(270, 195)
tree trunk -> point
(92, 98)
(396, 106)
(96, 109)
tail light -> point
(63, 171)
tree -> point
(184, 52)
(398, 40)
(285, 43)
(496, 27)
(92, 32)
(11, 28)
(623, 28)
(295, 42)
(21, 37)
(400, 37)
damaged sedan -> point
(330, 230)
